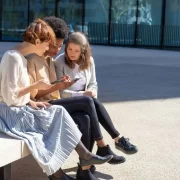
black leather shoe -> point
(84, 174)
(64, 177)
(106, 150)
(95, 160)
(125, 146)
(93, 169)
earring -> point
(37, 41)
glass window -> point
(123, 21)
(96, 21)
(71, 11)
(41, 8)
(149, 22)
(172, 23)
(14, 19)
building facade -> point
(139, 23)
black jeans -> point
(84, 124)
(82, 104)
(94, 109)
(105, 119)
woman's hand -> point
(42, 84)
(63, 85)
(89, 93)
(36, 105)
(65, 78)
(65, 82)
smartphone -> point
(54, 82)
(76, 79)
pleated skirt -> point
(50, 134)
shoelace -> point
(126, 141)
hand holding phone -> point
(73, 81)
(76, 79)
(57, 81)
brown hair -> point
(39, 30)
(81, 40)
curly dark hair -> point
(58, 25)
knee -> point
(86, 118)
(84, 123)
(88, 100)
(58, 108)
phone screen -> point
(76, 79)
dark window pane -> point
(71, 12)
(123, 22)
(14, 19)
(96, 21)
(149, 22)
(172, 24)
(41, 8)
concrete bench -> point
(10, 150)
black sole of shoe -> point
(93, 163)
(117, 162)
(126, 152)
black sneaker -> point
(106, 150)
(125, 146)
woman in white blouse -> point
(77, 62)
(49, 131)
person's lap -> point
(74, 107)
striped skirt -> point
(50, 134)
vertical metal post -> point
(136, 23)
(83, 14)
(0, 20)
(28, 11)
(163, 22)
(56, 8)
(109, 22)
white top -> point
(90, 75)
(81, 83)
(13, 76)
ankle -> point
(117, 139)
(101, 143)
(86, 156)
(85, 168)
(100, 146)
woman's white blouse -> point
(13, 76)
(81, 83)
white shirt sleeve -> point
(10, 73)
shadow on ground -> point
(129, 82)
(98, 174)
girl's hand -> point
(63, 85)
(65, 82)
(36, 105)
(89, 93)
(42, 84)
(65, 78)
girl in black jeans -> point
(78, 63)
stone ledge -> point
(11, 149)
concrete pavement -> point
(140, 89)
